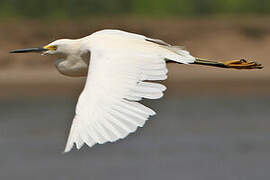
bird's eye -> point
(53, 48)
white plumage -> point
(118, 71)
(120, 63)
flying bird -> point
(120, 67)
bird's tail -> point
(236, 64)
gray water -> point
(191, 138)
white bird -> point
(121, 66)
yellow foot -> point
(243, 64)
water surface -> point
(206, 138)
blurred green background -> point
(81, 8)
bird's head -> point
(62, 46)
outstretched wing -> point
(108, 108)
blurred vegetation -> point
(82, 8)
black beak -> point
(28, 50)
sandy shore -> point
(208, 38)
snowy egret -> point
(121, 64)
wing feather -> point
(107, 109)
